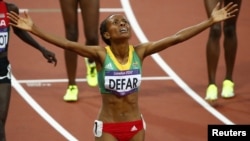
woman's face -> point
(118, 27)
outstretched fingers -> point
(231, 9)
(24, 23)
(13, 16)
(217, 7)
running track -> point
(171, 96)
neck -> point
(120, 50)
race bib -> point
(3, 40)
(123, 82)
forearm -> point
(191, 31)
(24, 36)
(53, 39)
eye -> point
(115, 22)
(125, 21)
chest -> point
(120, 78)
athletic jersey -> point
(4, 27)
(120, 79)
(5, 68)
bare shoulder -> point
(101, 51)
(101, 55)
(142, 46)
(140, 49)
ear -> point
(106, 35)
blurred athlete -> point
(5, 67)
(90, 17)
(228, 29)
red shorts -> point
(123, 131)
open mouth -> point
(123, 30)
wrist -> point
(42, 49)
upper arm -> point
(96, 53)
(92, 52)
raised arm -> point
(27, 24)
(217, 15)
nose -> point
(122, 23)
